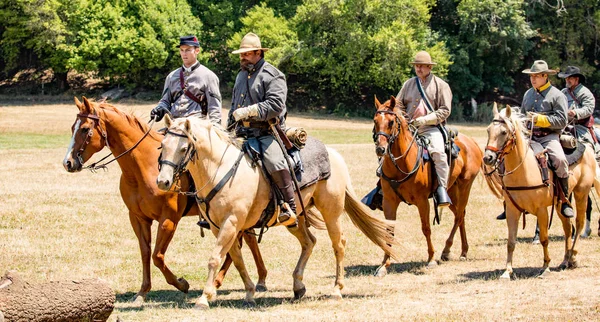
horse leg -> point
(542, 221)
(252, 243)
(142, 231)
(332, 217)
(458, 207)
(450, 240)
(587, 231)
(581, 203)
(307, 245)
(512, 222)
(226, 237)
(236, 256)
(225, 267)
(567, 228)
(423, 206)
(164, 235)
(389, 211)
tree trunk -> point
(86, 300)
(61, 81)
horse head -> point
(501, 135)
(88, 136)
(177, 149)
(388, 124)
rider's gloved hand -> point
(245, 112)
(429, 119)
(158, 113)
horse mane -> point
(227, 137)
(518, 120)
(134, 121)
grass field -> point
(55, 225)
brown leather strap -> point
(191, 95)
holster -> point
(543, 161)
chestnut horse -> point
(211, 154)
(406, 178)
(508, 142)
(100, 125)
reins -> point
(94, 166)
(391, 139)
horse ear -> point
(87, 106)
(77, 103)
(188, 126)
(168, 120)
(377, 103)
(392, 102)
(495, 109)
(508, 111)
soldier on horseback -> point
(547, 109)
(259, 96)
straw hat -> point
(539, 67)
(423, 58)
(250, 42)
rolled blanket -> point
(297, 136)
(568, 141)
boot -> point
(283, 180)
(566, 209)
(374, 199)
(443, 200)
(502, 216)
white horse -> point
(209, 153)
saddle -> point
(312, 167)
(450, 147)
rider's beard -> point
(246, 65)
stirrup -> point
(203, 224)
(286, 216)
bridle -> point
(507, 147)
(94, 166)
(178, 168)
(392, 138)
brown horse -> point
(522, 186)
(406, 178)
(211, 155)
(100, 125)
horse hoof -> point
(249, 304)
(535, 242)
(432, 264)
(505, 276)
(138, 300)
(563, 266)
(202, 304)
(185, 286)
(586, 233)
(445, 257)
(381, 271)
(261, 288)
(573, 264)
(336, 295)
(544, 273)
(462, 258)
(299, 293)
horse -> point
(406, 178)
(521, 185)
(100, 125)
(210, 153)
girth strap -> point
(206, 200)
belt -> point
(541, 132)
(256, 125)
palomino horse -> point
(406, 178)
(100, 125)
(210, 154)
(522, 187)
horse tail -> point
(379, 231)
(493, 181)
(315, 219)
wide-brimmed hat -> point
(572, 71)
(250, 42)
(188, 40)
(539, 67)
(423, 58)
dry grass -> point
(55, 225)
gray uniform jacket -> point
(264, 85)
(201, 81)
(550, 102)
(581, 100)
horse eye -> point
(503, 132)
(391, 123)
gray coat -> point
(201, 81)
(581, 100)
(264, 85)
(550, 102)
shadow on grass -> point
(521, 240)
(518, 273)
(415, 268)
(169, 299)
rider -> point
(427, 100)
(259, 96)
(190, 89)
(581, 103)
(547, 108)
